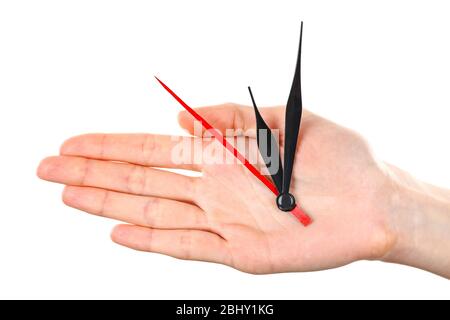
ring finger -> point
(139, 210)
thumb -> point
(232, 116)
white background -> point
(71, 67)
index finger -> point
(143, 149)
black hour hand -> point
(268, 147)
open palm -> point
(226, 215)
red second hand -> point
(297, 211)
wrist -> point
(419, 219)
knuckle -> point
(151, 213)
(185, 243)
(136, 180)
(85, 169)
(238, 120)
(104, 202)
(148, 148)
(102, 143)
(149, 240)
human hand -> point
(226, 215)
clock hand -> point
(297, 211)
(285, 200)
(269, 150)
(217, 135)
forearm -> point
(420, 220)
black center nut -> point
(285, 202)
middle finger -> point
(120, 177)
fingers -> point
(120, 177)
(182, 244)
(233, 116)
(144, 211)
(144, 149)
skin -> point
(362, 208)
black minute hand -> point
(285, 200)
